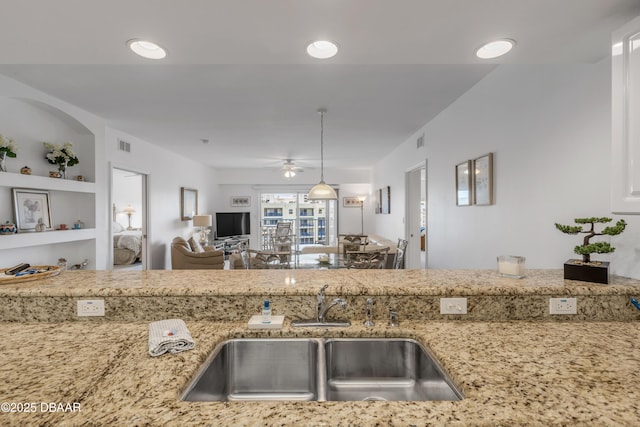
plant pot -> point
(595, 271)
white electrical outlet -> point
(563, 306)
(453, 306)
(91, 307)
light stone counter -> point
(512, 373)
(307, 282)
(228, 295)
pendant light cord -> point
(322, 146)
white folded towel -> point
(170, 336)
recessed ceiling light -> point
(495, 48)
(146, 49)
(322, 49)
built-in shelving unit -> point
(70, 200)
(27, 239)
(24, 240)
(9, 179)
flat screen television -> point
(229, 224)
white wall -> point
(167, 172)
(549, 127)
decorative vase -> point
(3, 161)
(62, 168)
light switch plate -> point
(453, 306)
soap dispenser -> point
(266, 312)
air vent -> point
(420, 142)
(124, 146)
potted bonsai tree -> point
(585, 269)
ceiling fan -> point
(290, 169)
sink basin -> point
(265, 369)
(384, 369)
(258, 369)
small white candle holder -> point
(511, 266)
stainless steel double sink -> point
(321, 369)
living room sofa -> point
(184, 256)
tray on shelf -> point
(51, 270)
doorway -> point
(416, 232)
(128, 220)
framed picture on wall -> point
(463, 183)
(483, 180)
(385, 200)
(31, 207)
(241, 201)
(352, 202)
(188, 203)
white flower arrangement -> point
(61, 155)
(8, 145)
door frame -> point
(146, 227)
(411, 260)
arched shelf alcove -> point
(31, 122)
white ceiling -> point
(238, 75)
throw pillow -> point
(195, 245)
(117, 228)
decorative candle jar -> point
(511, 266)
(8, 228)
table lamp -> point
(202, 221)
(129, 211)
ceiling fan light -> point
(322, 191)
(289, 173)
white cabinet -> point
(625, 191)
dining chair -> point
(398, 262)
(282, 240)
(259, 260)
(354, 242)
(372, 259)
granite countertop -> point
(307, 282)
(512, 373)
(227, 295)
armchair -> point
(184, 258)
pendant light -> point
(322, 191)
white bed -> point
(127, 245)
